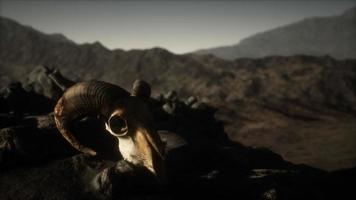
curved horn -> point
(83, 99)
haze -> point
(179, 26)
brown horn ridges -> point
(84, 99)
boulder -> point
(47, 82)
(17, 100)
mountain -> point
(302, 107)
(318, 36)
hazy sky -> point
(179, 26)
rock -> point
(199, 106)
(36, 139)
(19, 101)
(9, 119)
(171, 95)
(7, 148)
(158, 96)
(61, 179)
(30, 144)
(59, 80)
(171, 140)
(14, 98)
(191, 100)
(42, 122)
(189, 123)
(39, 82)
(4, 80)
(47, 82)
(124, 179)
(169, 108)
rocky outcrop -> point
(15, 99)
(37, 163)
(47, 82)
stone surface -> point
(37, 163)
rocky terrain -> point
(37, 163)
(302, 107)
(318, 36)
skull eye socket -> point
(118, 125)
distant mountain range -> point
(334, 36)
(302, 107)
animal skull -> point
(127, 117)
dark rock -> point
(171, 140)
(157, 96)
(29, 144)
(125, 179)
(19, 101)
(197, 123)
(171, 95)
(9, 119)
(169, 108)
(37, 139)
(59, 80)
(63, 179)
(42, 122)
(47, 82)
(191, 100)
(14, 97)
(7, 148)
